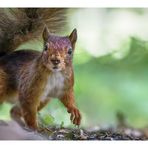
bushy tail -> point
(18, 26)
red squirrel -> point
(31, 78)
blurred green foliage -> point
(106, 86)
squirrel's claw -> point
(75, 116)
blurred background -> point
(111, 68)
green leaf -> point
(46, 119)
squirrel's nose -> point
(55, 61)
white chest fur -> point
(54, 86)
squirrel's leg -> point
(16, 115)
(69, 103)
(30, 116)
(43, 103)
(29, 111)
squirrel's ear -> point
(45, 34)
(73, 36)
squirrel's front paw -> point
(75, 115)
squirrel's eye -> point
(70, 51)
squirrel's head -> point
(58, 50)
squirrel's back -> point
(12, 63)
(18, 58)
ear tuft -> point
(45, 33)
(73, 36)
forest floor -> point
(13, 131)
(121, 132)
(53, 133)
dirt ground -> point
(121, 132)
(81, 134)
(13, 131)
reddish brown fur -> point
(25, 74)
